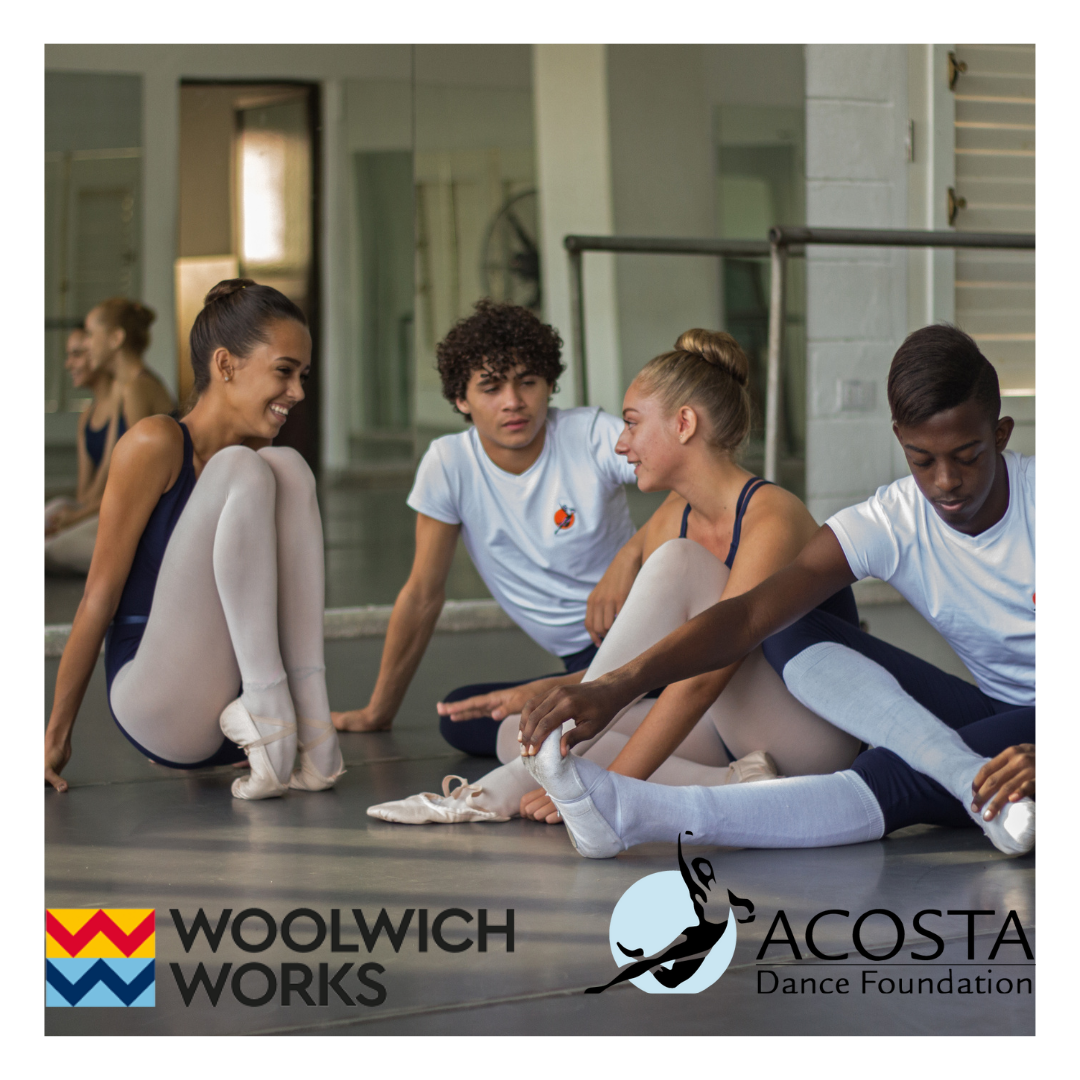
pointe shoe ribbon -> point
(427, 808)
(307, 777)
(238, 725)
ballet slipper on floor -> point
(427, 808)
(238, 725)
(306, 777)
(757, 765)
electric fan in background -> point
(510, 266)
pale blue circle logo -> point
(674, 932)
(649, 916)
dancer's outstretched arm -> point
(717, 637)
(412, 622)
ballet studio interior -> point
(810, 206)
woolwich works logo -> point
(99, 957)
(664, 915)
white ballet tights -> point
(755, 712)
(70, 550)
(239, 600)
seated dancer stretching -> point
(208, 571)
(957, 540)
(724, 531)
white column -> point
(856, 176)
(160, 224)
(573, 169)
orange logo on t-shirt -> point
(564, 518)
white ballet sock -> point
(607, 812)
(859, 696)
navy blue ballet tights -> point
(987, 725)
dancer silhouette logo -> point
(660, 925)
(99, 957)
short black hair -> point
(497, 337)
(938, 368)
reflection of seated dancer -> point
(536, 494)
(686, 415)
(697, 939)
(957, 540)
(117, 335)
(210, 569)
(71, 523)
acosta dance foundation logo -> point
(99, 957)
(663, 915)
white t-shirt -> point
(978, 592)
(543, 539)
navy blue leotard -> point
(841, 604)
(126, 631)
(94, 438)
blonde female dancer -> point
(686, 414)
(208, 574)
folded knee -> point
(239, 466)
(681, 560)
(289, 468)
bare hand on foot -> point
(590, 705)
(1007, 778)
(537, 806)
(360, 720)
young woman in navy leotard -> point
(71, 522)
(208, 573)
(723, 531)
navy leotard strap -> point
(745, 496)
(685, 518)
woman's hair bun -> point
(227, 288)
(716, 347)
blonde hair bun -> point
(716, 347)
(709, 370)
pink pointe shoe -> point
(306, 777)
(239, 725)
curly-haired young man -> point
(537, 495)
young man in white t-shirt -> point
(957, 539)
(536, 493)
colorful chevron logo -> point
(99, 957)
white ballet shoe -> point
(1012, 832)
(561, 777)
(238, 725)
(757, 765)
(427, 808)
(306, 777)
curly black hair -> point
(496, 338)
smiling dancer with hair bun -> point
(207, 579)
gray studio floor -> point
(130, 834)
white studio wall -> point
(856, 177)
